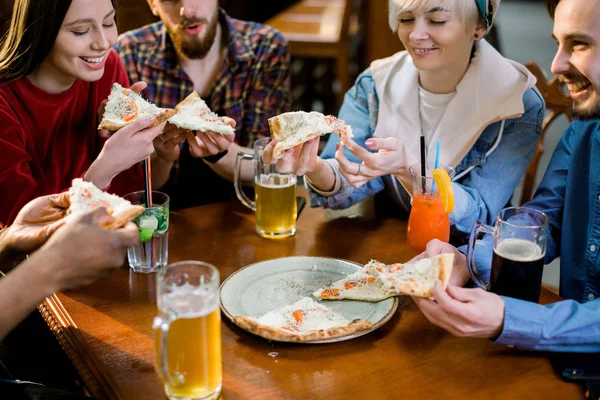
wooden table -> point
(113, 346)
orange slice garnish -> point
(444, 184)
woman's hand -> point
(303, 160)
(125, 148)
(299, 160)
(204, 144)
(392, 158)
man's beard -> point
(586, 113)
(194, 47)
(584, 109)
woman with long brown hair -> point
(56, 67)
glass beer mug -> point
(519, 248)
(428, 219)
(188, 331)
(274, 195)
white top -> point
(431, 110)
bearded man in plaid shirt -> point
(241, 69)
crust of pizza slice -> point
(281, 335)
(85, 197)
(377, 281)
(294, 128)
(194, 114)
(125, 106)
(304, 321)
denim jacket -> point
(484, 180)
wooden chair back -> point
(320, 29)
(557, 103)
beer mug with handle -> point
(188, 330)
(274, 195)
(520, 236)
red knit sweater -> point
(48, 139)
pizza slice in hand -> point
(85, 197)
(195, 115)
(294, 128)
(304, 321)
(377, 281)
(125, 106)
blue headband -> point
(486, 11)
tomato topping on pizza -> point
(330, 293)
(298, 315)
(128, 108)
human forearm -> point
(322, 177)
(100, 173)
(21, 291)
(9, 258)
(563, 326)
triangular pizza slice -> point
(294, 128)
(377, 281)
(304, 321)
(125, 106)
(194, 114)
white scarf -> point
(491, 90)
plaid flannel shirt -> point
(252, 86)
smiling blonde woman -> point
(448, 85)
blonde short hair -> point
(466, 9)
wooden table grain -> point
(106, 328)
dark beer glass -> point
(519, 247)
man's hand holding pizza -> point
(34, 225)
(208, 143)
(461, 311)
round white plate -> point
(259, 288)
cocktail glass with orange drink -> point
(432, 201)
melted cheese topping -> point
(118, 105)
(301, 124)
(304, 315)
(85, 196)
(196, 116)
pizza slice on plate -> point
(304, 321)
(294, 128)
(85, 197)
(195, 115)
(125, 106)
(377, 281)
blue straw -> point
(437, 162)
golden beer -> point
(275, 197)
(193, 353)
